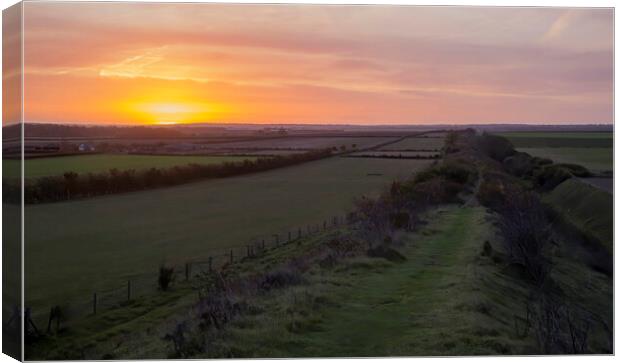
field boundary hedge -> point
(72, 186)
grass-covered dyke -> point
(545, 248)
(587, 207)
(421, 269)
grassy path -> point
(445, 299)
(431, 304)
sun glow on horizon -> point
(160, 64)
(171, 113)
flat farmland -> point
(304, 142)
(557, 135)
(268, 152)
(594, 150)
(395, 153)
(595, 159)
(39, 167)
(560, 139)
(76, 248)
(416, 143)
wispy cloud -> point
(558, 27)
(323, 63)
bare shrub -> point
(183, 345)
(280, 278)
(385, 251)
(551, 176)
(57, 314)
(337, 249)
(559, 329)
(526, 232)
(496, 147)
(219, 302)
(218, 310)
(165, 278)
(373, 217)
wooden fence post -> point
(94, 303)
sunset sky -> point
(177, 63)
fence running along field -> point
(144, 285)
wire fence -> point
(144, 285)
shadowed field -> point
(101, 242)
(594, 150)
(595, 159)
(39, 167)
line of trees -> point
(71, 185)
(396, 156)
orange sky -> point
(170, 63)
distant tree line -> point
(68, 131)
(396, 156)
(71, 185)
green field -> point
(594, 150)
(304, 142)
(76, 248)
(396, 153)
(415, 143)
(558, 135)
(560, 139)
(595, 159)
(40, 167)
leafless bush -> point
(280, 278)
(559, 329)
(57, 314)
(373, 217)
(526, 232)
(165, 278)
(183, 345)
(219, 301)
(218, 309)
(385, 251)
